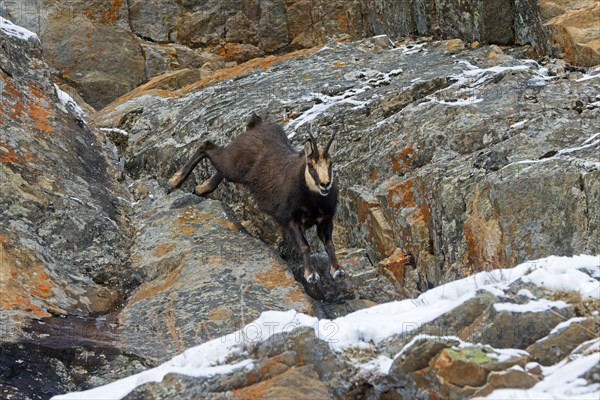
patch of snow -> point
(502, 355)
(562, 381)
(378, 366)
(565, 324)
(115, 130)
(366, 327)
(13, 30)
(519, 124)
(67, 101)
(411, 48)
(347, 97)
(459, 102)
(588, 143)
(591, 74)
(560, 277)
(533, 306)
(525, 292)
(205, 359)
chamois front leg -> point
(325, 233)
(181, 175)
(297, 232)
(209, 186)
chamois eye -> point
(311, 165)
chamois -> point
(294, 187)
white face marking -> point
(310, 182)
(322, 170)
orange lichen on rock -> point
(158, 285)
(276, 276)
(24, 284)
(393, 266)
(249, 66)
(108, 14)
(403, 158)
(188, 220)
(8, 155)
(373, 175)
(39, 116)
(163, 249)
(484, 236)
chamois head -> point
(319, 167)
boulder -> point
(573, 28)
(513, 378)
(516, 326)
(88, 45)
(551, 349)
(471, 365)
(418, 355)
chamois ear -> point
(308, 148)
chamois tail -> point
(255, 120)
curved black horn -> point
(326, 151)
(313, 141)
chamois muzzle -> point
(324, 188)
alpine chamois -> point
(295, 188)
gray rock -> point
(419, 354)
(553, 348)
(65, 235)
(203, 276)
(517, 329)
(153, 20)
(88, 45)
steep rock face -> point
(64, 230)
(64, 235)
(449, 161)
(203, 275)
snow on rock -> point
(562, 276)
(532, 306)
(363, 328)
(70, 104)
(205, 359)
(10, 29)
(566, 324)
(562, 381)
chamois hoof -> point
(312, 278)
(339, 274)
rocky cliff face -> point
(452, 158)
(106, 48)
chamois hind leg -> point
(181, 175)
(208, 186)
(325, 233)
